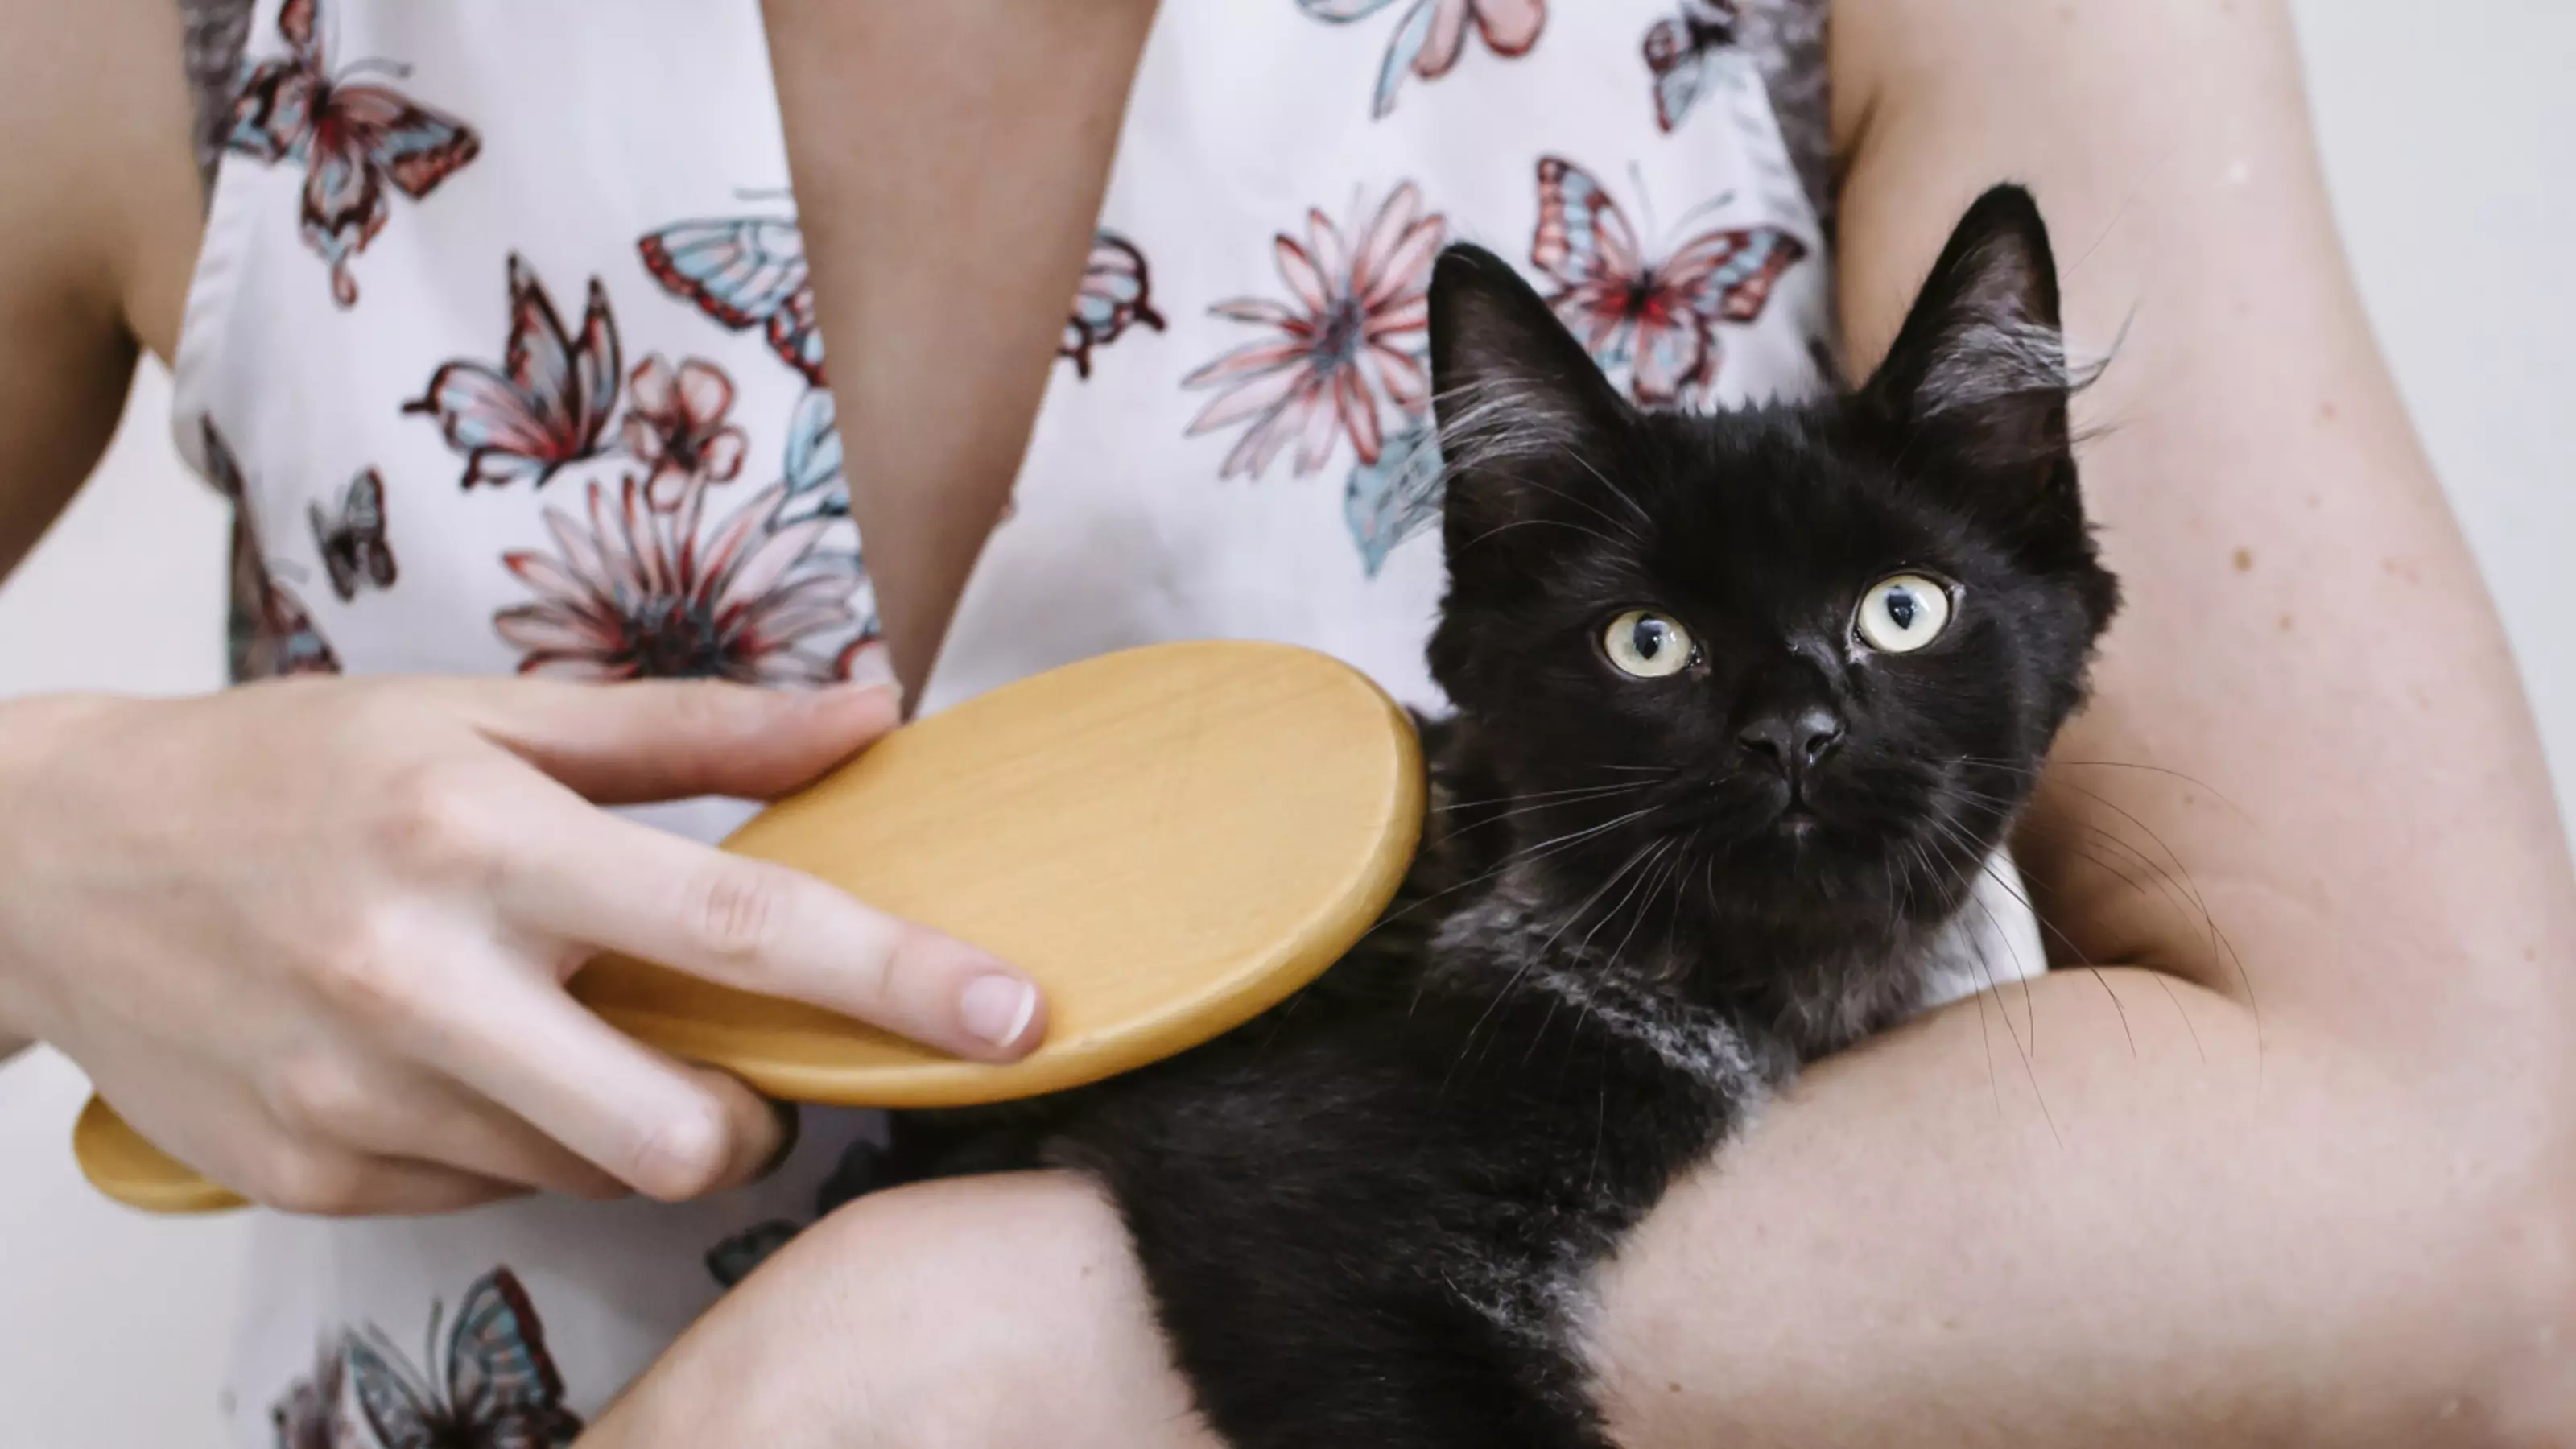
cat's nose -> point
(1794, 741)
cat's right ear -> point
(1525, 415)
(1979, 368)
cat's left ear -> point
(1980, 365)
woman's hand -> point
(312, 937)
(994, 1312)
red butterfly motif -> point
(1657, 317)
(354, 140)
(548, 402)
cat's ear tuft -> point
(1980, 364)
(1521, 406)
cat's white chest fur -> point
(1993, 941)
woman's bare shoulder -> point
(101, 195)
(99, 224)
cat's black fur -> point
(1368, 1218)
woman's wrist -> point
(24, 725)
(29, 727)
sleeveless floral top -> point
(502, 341)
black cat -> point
(1745, 703)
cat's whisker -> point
(2081, 960)
(1510, 859)
(1574, 837)
(2026, 1050)
(1662, 849)
(1545, 798)
(1539, 523)
(1521, 797)
(1467, 1044)
(1666, 870)
(1523, 855)
(2054, 761)
(2180, 887)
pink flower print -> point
(638, 593)
(1510, 28)
(1433, 33)
(1345, 352)
(675, 426)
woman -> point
(2289, 1169)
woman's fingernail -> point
(997, 1009)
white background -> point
(2450, 140)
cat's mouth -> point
(1796, 819)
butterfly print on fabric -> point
(1344, 355)
(1115, 295)
(676, 428)
(745, 272)
(493, 1387)
(810, 464)
(313, 1413)
(351, 538)
(546, 405)
(636, 592)
(1683, 54)
(269, 632)
(1656, 319)
(1396, 497)
(810, 472)
(354, 138)
(1433, 34)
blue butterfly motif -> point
(1396, 497)
(1682, 52)
(745, 272)
(818, 495)
(500, 1389)
(815, 487)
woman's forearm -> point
(2089, 1215)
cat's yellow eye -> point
(1647, 644)
(1902, 614)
